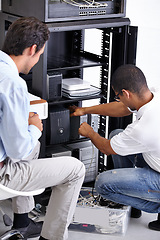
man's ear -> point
(33, 49)
(126, 93)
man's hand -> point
(76, 111)
(86, 130)
(101, 143)
(34, 120)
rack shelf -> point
(65, 100)
(72, 62)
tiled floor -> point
(137, 229)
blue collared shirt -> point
(17, 138)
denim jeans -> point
(129, 161)
(138, 186)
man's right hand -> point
(76, 111)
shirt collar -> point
(143, 108)
(141, 111)
(8, 60)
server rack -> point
(64, 53)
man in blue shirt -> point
(20, 168)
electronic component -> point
(72, 84)
(38, 105)
(58, 125)
(87, 153)
(54, 86)
(64, 10)
(90, 216)
(93, 121)
(75, 122)
(60, 151)
(92, 91)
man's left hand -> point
(85, 130)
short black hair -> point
(24, 33)
(129, 77)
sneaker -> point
(32, 230)
(155, 225)
(109, 204)
(135, 213)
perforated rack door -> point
(105, 79)
(118, 48)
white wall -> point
(145, 14)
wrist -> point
(91, 134)
(85, 110)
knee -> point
(106, 181)
(80, 168)
(100, 181)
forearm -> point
(113, 109)
(19, 138)
(101, 143)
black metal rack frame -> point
(64, 52)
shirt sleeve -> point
(18, 138)
(126, 143)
